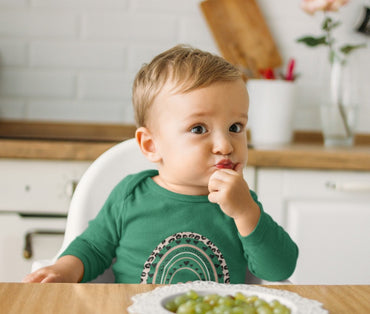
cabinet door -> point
(334, 241)
(328, 214)
(13, 231)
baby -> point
(194, 218)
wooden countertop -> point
(311, 156)
(306, 156)
(115, 298)
(76, 142)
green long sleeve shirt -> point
(157, 236)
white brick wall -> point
(37, 83)
(28, 23)
(74, 60)
(13, 53)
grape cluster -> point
(193, 303)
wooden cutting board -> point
(242, 34)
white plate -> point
(153, 301)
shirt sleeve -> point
(270, 252)
(96, 246)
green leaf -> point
(347, 49)
(328, 24)
(313, 41)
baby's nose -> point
(222, 145)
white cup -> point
(271, 104)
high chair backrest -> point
(98, 181)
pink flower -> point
(312, 6)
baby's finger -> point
(212, 188)
(215, 183)
(221, 174)
(34, 277)
(50, 278)
(213, 197)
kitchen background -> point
(74, 60)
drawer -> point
(327, 184)
(277, 187)
(35, 186)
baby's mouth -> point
(225, 164)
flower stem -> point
(329, 38)
(344, 118)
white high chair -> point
(94, 188)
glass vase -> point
(340, 104)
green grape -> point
(275, 303)
(222, 309)
(238, 302)
(227, 300)
(211, 299)
(193, 303)
(202, 308)
(249, 310)
(185, 309)
(191, 294)
(171, 306)
(264, 309)
(237, 310)
(281, 309)
(180, 299)
(260, 302)
(240, 296)
(251, 298)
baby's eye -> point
(236, 128)
(198, 129)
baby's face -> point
(199, 132)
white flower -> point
(312, 6)
(328, 25)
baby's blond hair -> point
(187, 68)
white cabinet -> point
(327, 213)
(38, 186)
(24, 239)
(34, 200)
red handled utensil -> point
(289, 75)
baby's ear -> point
(147, 145)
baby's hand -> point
(45, 274)
(66, 269)
(228, 189)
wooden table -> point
(55, 298)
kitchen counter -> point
(308, 156)
(311, 156)
(50, 142)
